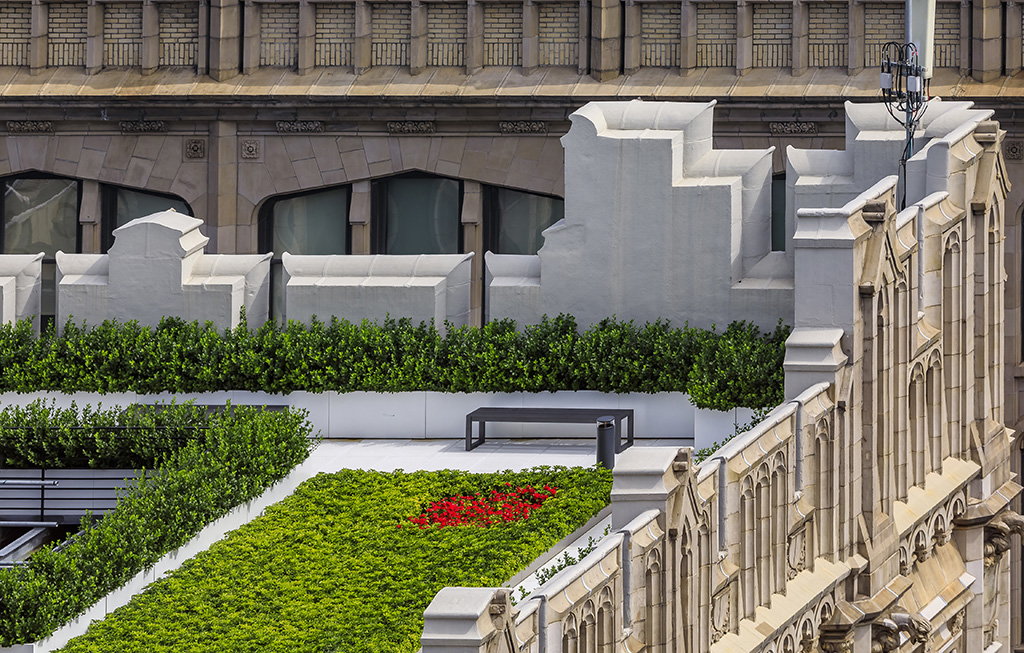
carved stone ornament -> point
(885, 633)
(300, 127)
(1013, 150)
(411, 127)
(796, 559)
(720, 616)
(142, 126)
(523, 127)
(195, 148)
(250, 149)
(793, 127)
(998, 533)
(838, 645)
(956, 624)
(30, 126)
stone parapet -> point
(20, 288)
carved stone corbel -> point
(998, 533)
(885, 633)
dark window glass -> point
(779, 213)
(310, 223)
(40, 214)
(417, 215)
(515, 220)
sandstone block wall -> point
(390, 45)
(503, 34)
(716, 35)
(559, 33)
(179, 33)
(279, 35)
(15, 19)
(660, 29)
(446, 34)
(122, 34)
(335, 31)
(947, 35)
(883, 22)
(773, 35)
(66, 30)
(828, 34)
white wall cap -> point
(512, 266)
(226, 265)
(383, 265)
(14, 264)
(167, 234)
(82, 264)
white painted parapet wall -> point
(658, 224)
(20, 287)
(423, 288)
(157, 268)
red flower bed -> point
(479, 510)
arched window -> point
(514, 220)
(416, 214)
(120, 206)
(39, 213)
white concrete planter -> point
(441, 415)
(202, 541)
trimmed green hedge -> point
(738, 367)
(42, 435)
(326, 570)
(243, 452)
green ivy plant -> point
(329, 569)
(740, 366)
(241, 452)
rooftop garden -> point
(350, 561)
(740, 366)
(200, 467)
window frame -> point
(379, 204)
(491, 216)
(108, 210)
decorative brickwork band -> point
(195, 148)
(411, 127)
(250, 149)
(300, 127)
(793, 127)
(523, 127)
(142, 126)
(1014, 150)
(30, 126)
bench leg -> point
(470, 442)
(619, 446)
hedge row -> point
(739, 367)
(326, 570)
(243, 452)
(42, 435)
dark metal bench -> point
(549, 416)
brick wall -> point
(882, 23)
(390, 45)
(65, 42)
(559, 33)
(179, 33)
(716, 35)
(446, 34)
(503, 34)
(947, 35)
(773, 35)
(335, 32)
(829, 27)
(279, 35)
(122, 34)
(659, 28)
(16, 18)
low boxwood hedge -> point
(242, 452)
(738, 367)
(328, 569)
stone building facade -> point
(242, 113)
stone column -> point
(688, 38)
(634, 19)
(473, 239)
(362, 47)
(474, 37)
(307, 36)
(359, 218)
(150, 37)
(202, 60)
(222, 217)
(744, 36)
(970, 540)
(225, 38)
(531, 36)
(251, 37)
(856, 46)
(584, 42)
(605, 41)
(987, 40)
(37, 45)
(89, 218)
(966, 38)
(801, 27)
(417, 37)
(94, 38)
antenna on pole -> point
(906, 69)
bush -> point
(740, 367)
(243, 451)
(327, 569)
